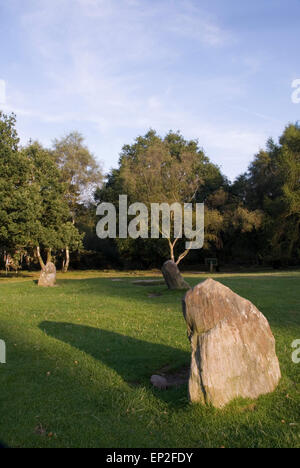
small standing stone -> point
(233, 348)
(48, 276)
(173, 276)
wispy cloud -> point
(110, 49)
(118, 67)
(193, 23)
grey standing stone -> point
(173, 276)
(48, 276)
(233, 348)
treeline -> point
(40, 194)
(48, 201)
(252, 221)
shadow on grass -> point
(13, 275)
(133, 359)
(62, 399)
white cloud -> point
(199, 29)
(109, 51)
(105, 63)
(192, 22)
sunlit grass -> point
(80, 357)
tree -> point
(160, 170)
(78, 169)
(284, 208)
(272, 186)
(54, 228)
(79, 172)
(33, 213)
(19, 203)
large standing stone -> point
(48, 276)
(173, 277)
(233, 349)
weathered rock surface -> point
(173, 276)
(233, 348)
(48, 276)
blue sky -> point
(220, 71)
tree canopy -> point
(48, 199)
(164, 170)
(34, 213)
(78, 169)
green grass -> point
(80, 356)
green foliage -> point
(19, 202)
(78, 169)
(157, 170)
(33, 210)
(272, 185)
(47, 198)
(56, 229)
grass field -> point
(80, 356)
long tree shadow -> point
(38, 392)
(133, 359)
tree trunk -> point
(66, 262)
(172, 247)
(49, 255)
(182, 256)
(38, 253)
